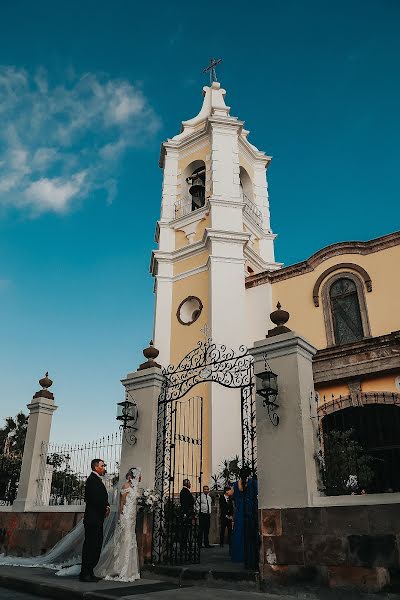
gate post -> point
(287, 470)
(38, 433)
(144, 385)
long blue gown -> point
(244, 542)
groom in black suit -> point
(97, 508)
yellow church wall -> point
(180, 240)
(184, 338)
(332, 390)
(378, 383)
(198, 236)
(295, 295)
(385, 383)
(197, 154)
(191, 262)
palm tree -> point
(13, 434)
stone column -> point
(38, 434)
(144, 386)
(287, 469)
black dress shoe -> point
(88, 578)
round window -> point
(397, 382)
(189, 310)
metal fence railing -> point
(359, 438)
(64, 469)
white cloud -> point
(55, 194)
(60, 142)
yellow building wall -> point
(295, 295)
(185, 338)
(191, 262)
(180, 240)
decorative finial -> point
(279, 317)
(211, 69)
(45, 382)
(150, 353)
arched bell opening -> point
(246, 185)
(196, 182)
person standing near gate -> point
(97, 508)
(187, 511)
(225, 516)
(203, 507)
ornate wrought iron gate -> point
(174, 539)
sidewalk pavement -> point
(44, 583)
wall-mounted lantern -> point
(267, 388)
(127, 414)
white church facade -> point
(214, 231)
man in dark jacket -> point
(225, 516)
(186, 499)
(97, 508)
(187, 515)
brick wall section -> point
(346, 545)
(34, 533)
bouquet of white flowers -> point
(148, 500)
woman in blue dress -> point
(244, 541)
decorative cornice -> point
(251, 151)
(371, 355)
(220, 235)
(256, 259)
(306, 266)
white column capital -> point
(42, 405)
(282, 345)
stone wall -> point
(34, 533)
(355, 546)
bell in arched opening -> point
(197, 190)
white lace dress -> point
(119, 560)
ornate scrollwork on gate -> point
(208, 362)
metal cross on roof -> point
(211, 69)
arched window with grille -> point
(346, 314)
(345, 309)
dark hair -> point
(244, 474)
(95, 462)
(226, 488)
(186, 482)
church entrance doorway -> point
(179, 451)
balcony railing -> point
(252, 211)
(184, 207)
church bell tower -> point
(214, 230)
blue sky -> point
(89, 89)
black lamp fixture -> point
(127, 414)
(267, 388)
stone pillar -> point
(39, 424)
(144, 386)
(287, 469)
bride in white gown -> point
(119, 557)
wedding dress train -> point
(119, 557)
